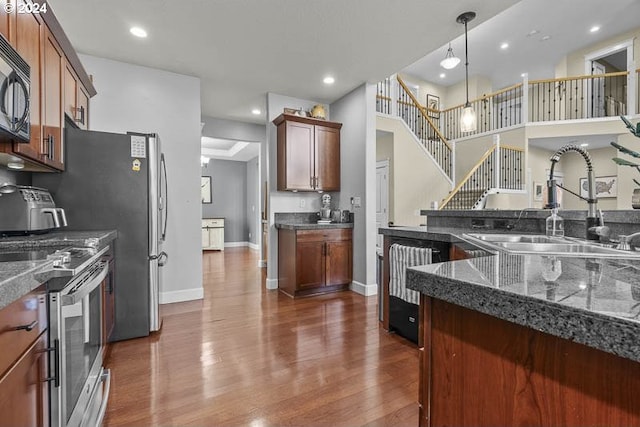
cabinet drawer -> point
(29, 312)
(219, 222)
(324, 235)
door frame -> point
(631, 81)
(383, 164)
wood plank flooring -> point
(251, 357)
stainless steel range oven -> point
(80, 387)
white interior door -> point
(382, 198)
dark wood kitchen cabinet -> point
(314, 261)
(24, 398)
(59, 85)
(308, 154)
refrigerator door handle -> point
(164, 204)
(163, 259)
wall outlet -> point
(416, 212)
(249, 236)
(303, 203)
(356, 201)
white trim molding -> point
(272, 283)
(181, 296)
(362, 289)
(250, 245)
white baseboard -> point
(262, 263)
(272, 283)
(181, 296)
(253, 246)
(362, 289)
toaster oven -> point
(29, 210)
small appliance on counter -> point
(27, 210)
(325, 210)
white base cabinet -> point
(213, 234)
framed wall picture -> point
(205, 189)
(538, 190)
(606, 186)
(433, 103)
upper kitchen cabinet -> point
(76, 99)
(59, 85)
(308, 154)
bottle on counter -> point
(555, 224)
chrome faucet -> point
(592, 202)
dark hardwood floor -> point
(251, 357)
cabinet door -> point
(52, 102)
(216, 238)
(70, 92)
(205, 238)
(310, 264)
(5, 18)
(327, 158)
(82, 119)
(28, 43)
(299, 153)
(24, 398)
(339, 263)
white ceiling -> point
(242, 49)
(227, 149)
(567, 22)
(594, 141)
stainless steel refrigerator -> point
(119, 181)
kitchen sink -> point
(536, 244)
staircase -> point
(501, 168)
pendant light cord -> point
(466, 64)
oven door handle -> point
(86, 283)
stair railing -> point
(416, 116)
(480, 179)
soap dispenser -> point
(555, 224)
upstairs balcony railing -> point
(566, 98)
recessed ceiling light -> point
(594, 29)
(329, 80)
(545, 38)
(504, 45)
(532, 33)
(256, 111)
(523, 74)
(138, 32)
(584, 144)
(443, 75)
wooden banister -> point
(423, 112)
(509, 147)
(583, 77)
(487, 96)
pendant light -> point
(468, 117)
(450, 60)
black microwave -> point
(14, 94)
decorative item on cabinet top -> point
(318, 112)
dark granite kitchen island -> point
(511, 339)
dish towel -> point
(401, 257)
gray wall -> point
(356, 112)
(136, 98)
(253, 200)
(229, 201)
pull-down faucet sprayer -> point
(592, 201)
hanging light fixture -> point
(468, 118)
(450, 60)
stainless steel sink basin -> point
(536, 244)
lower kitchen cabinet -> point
(323, 261)
(213, 234)
(24, 397)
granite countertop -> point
(20, 277)
(593, 301)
